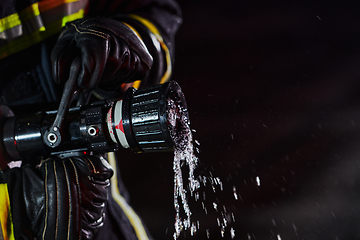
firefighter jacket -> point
(28, 31)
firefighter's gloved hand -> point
(60, 199)
(94, 183)
(110, 52)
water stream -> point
(180, 132)
(185, 163)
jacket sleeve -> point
(155, 21)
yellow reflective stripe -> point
(30, 12)
(9, 22)
(24, 42)
(7, 227)
(72, 17)
(133, 29)
(13, 20)
(158, 36)
(129, 212)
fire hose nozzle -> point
(140, 121)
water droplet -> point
(273, 222)
(215, 206)
(203, 206)
(203, 179)
(258, 180)
(278, 237)
(235, 194)
(232, 233)
(207, 233)
(222, 232)
(197, 196)
(295, 229)
(193, 229)
(225, 218)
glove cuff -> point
(161, 69)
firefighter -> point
(107, 46)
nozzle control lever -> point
(52, 136)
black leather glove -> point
(60, 199)
(94, 183)
(110, 52)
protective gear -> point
(28, 80)
(60, 199)
(111, 54)
(25, 23)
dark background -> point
(273, 91)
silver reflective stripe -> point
(32, 25)
(26, 28)
(12, 32)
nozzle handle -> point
(52, 136)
